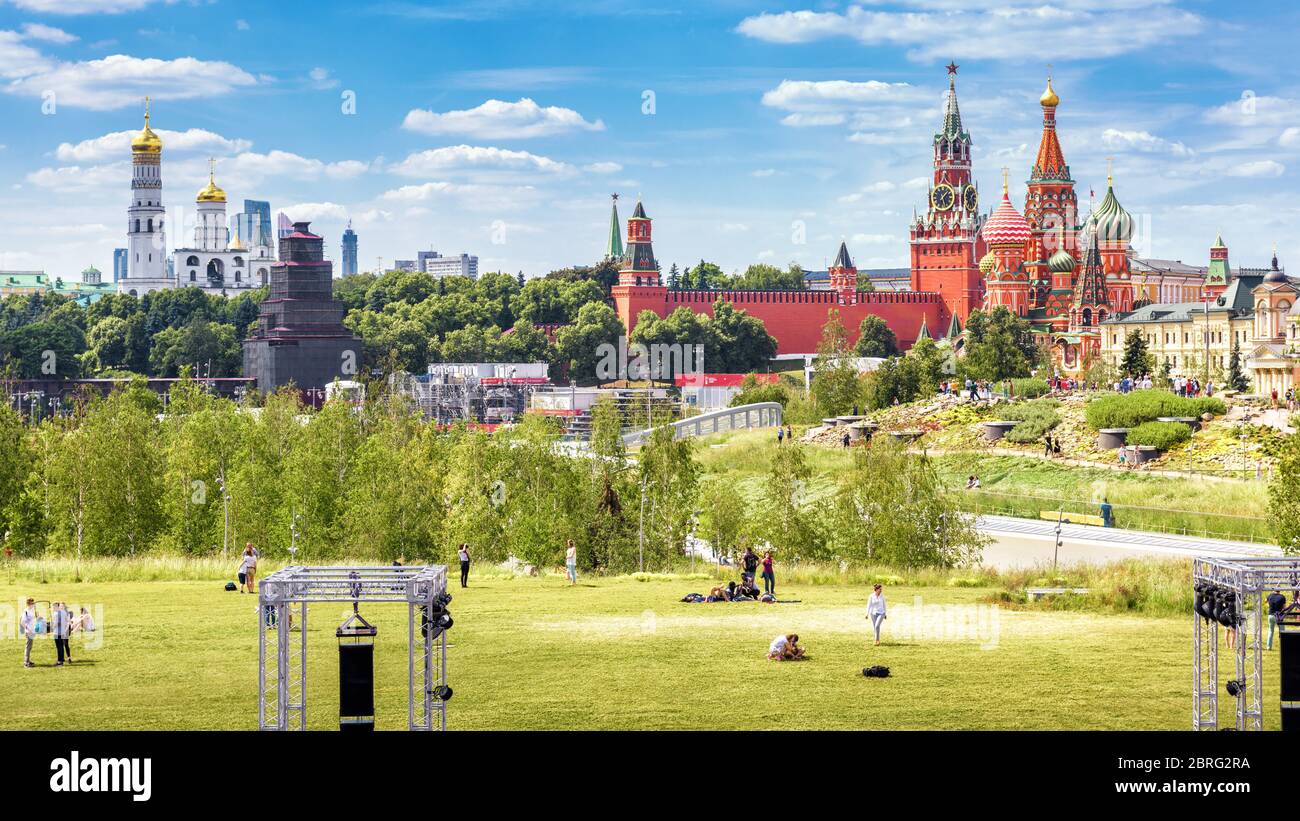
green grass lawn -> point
(623, 654)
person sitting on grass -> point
(747, 591)
(785, 648)
(719, 593)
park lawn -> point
(623, 654)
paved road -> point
(1026, 542)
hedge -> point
(1035, 418)
(1159, 435)
(1128, 410)
(1029, 388)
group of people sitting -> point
(745, 591)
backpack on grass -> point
(875, 671)
(230, 586)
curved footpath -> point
(1027, 542)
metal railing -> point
(743, 417)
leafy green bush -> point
(1132, 409)
(1159, 435)
(1036, 420)
(1029, 388)
(752, 391)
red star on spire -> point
(952, 67)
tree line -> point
(374, 482)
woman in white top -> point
(571, 562)
(248, 569)
(785, 648)
(876, 610)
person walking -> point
(1107, 513)
(876, 610)
(27, 626)
(1276, 604)
(780, 435)
(60, 625)
(463, 554)
(571, 562)
(769, 577)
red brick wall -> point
(795, 318)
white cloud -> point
(498, 119)
(321, 79)
(1290, 137)
(1076, 30)
(313, 211)
(603, 168)
(18, 59)
(1256, 168)
(118, 145)
(472, 196)
(800, 120)
(873, 239)
(74, 178)
(48, 34)
(806, 95)
(118, 80)
(763, 172)
(733, 227)
(1142, 141)
(1251, 111)
(72, 7)
(242, 25)
(468, 159)
(252, 166)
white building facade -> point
(145, 230)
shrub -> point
(1159, 435)
(1132, 409)
(1029, 388)
(1036, 420)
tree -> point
(123, 464)
(743, 341)
(897, 380)
(1284, 497)
(999, 345)
(1137, 361)
(891, 508)
(835, 385)
(579, 346)
(212, 348)
(934, 363)
(15, 466)
(318, 474)
(669, 479)
(1237, 379)
(554, 301)
(723, 517)
(670, 342)
(875, 338)
(706, 276)
(610, 539)
(784, 518)
(763, 277)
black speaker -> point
(1290, 719)
(1290, 662)
(356, 680)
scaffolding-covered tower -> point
(283, 598)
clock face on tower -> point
(970, 198)
(942, 197)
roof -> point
(842, 259)
(1236, 300)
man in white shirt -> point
(27, 624)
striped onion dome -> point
(1062, 262)
(1005, 226)
(1113, 222)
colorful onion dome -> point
(1049, 98)
(146, 142)
(1113, 223)
(1005, 226)
(1062, 262)
(989, 261)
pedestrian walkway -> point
(1140, 540)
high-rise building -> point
(300, 337)
(349, 251)
(253, 229)
(146, 234)
(284, 225)
(120, 264)
(460, 265)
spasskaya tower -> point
(945, 242)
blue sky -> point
(499, 127)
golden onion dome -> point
(988, 263)
(1049, 98)
(210, 192)
(146, 142)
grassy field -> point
(624, 654)
(1026, 485)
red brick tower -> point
(639, 265)
(945, 242)
(844, 277)
(1052, 211)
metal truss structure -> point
(282, 663)
(1250, 578)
